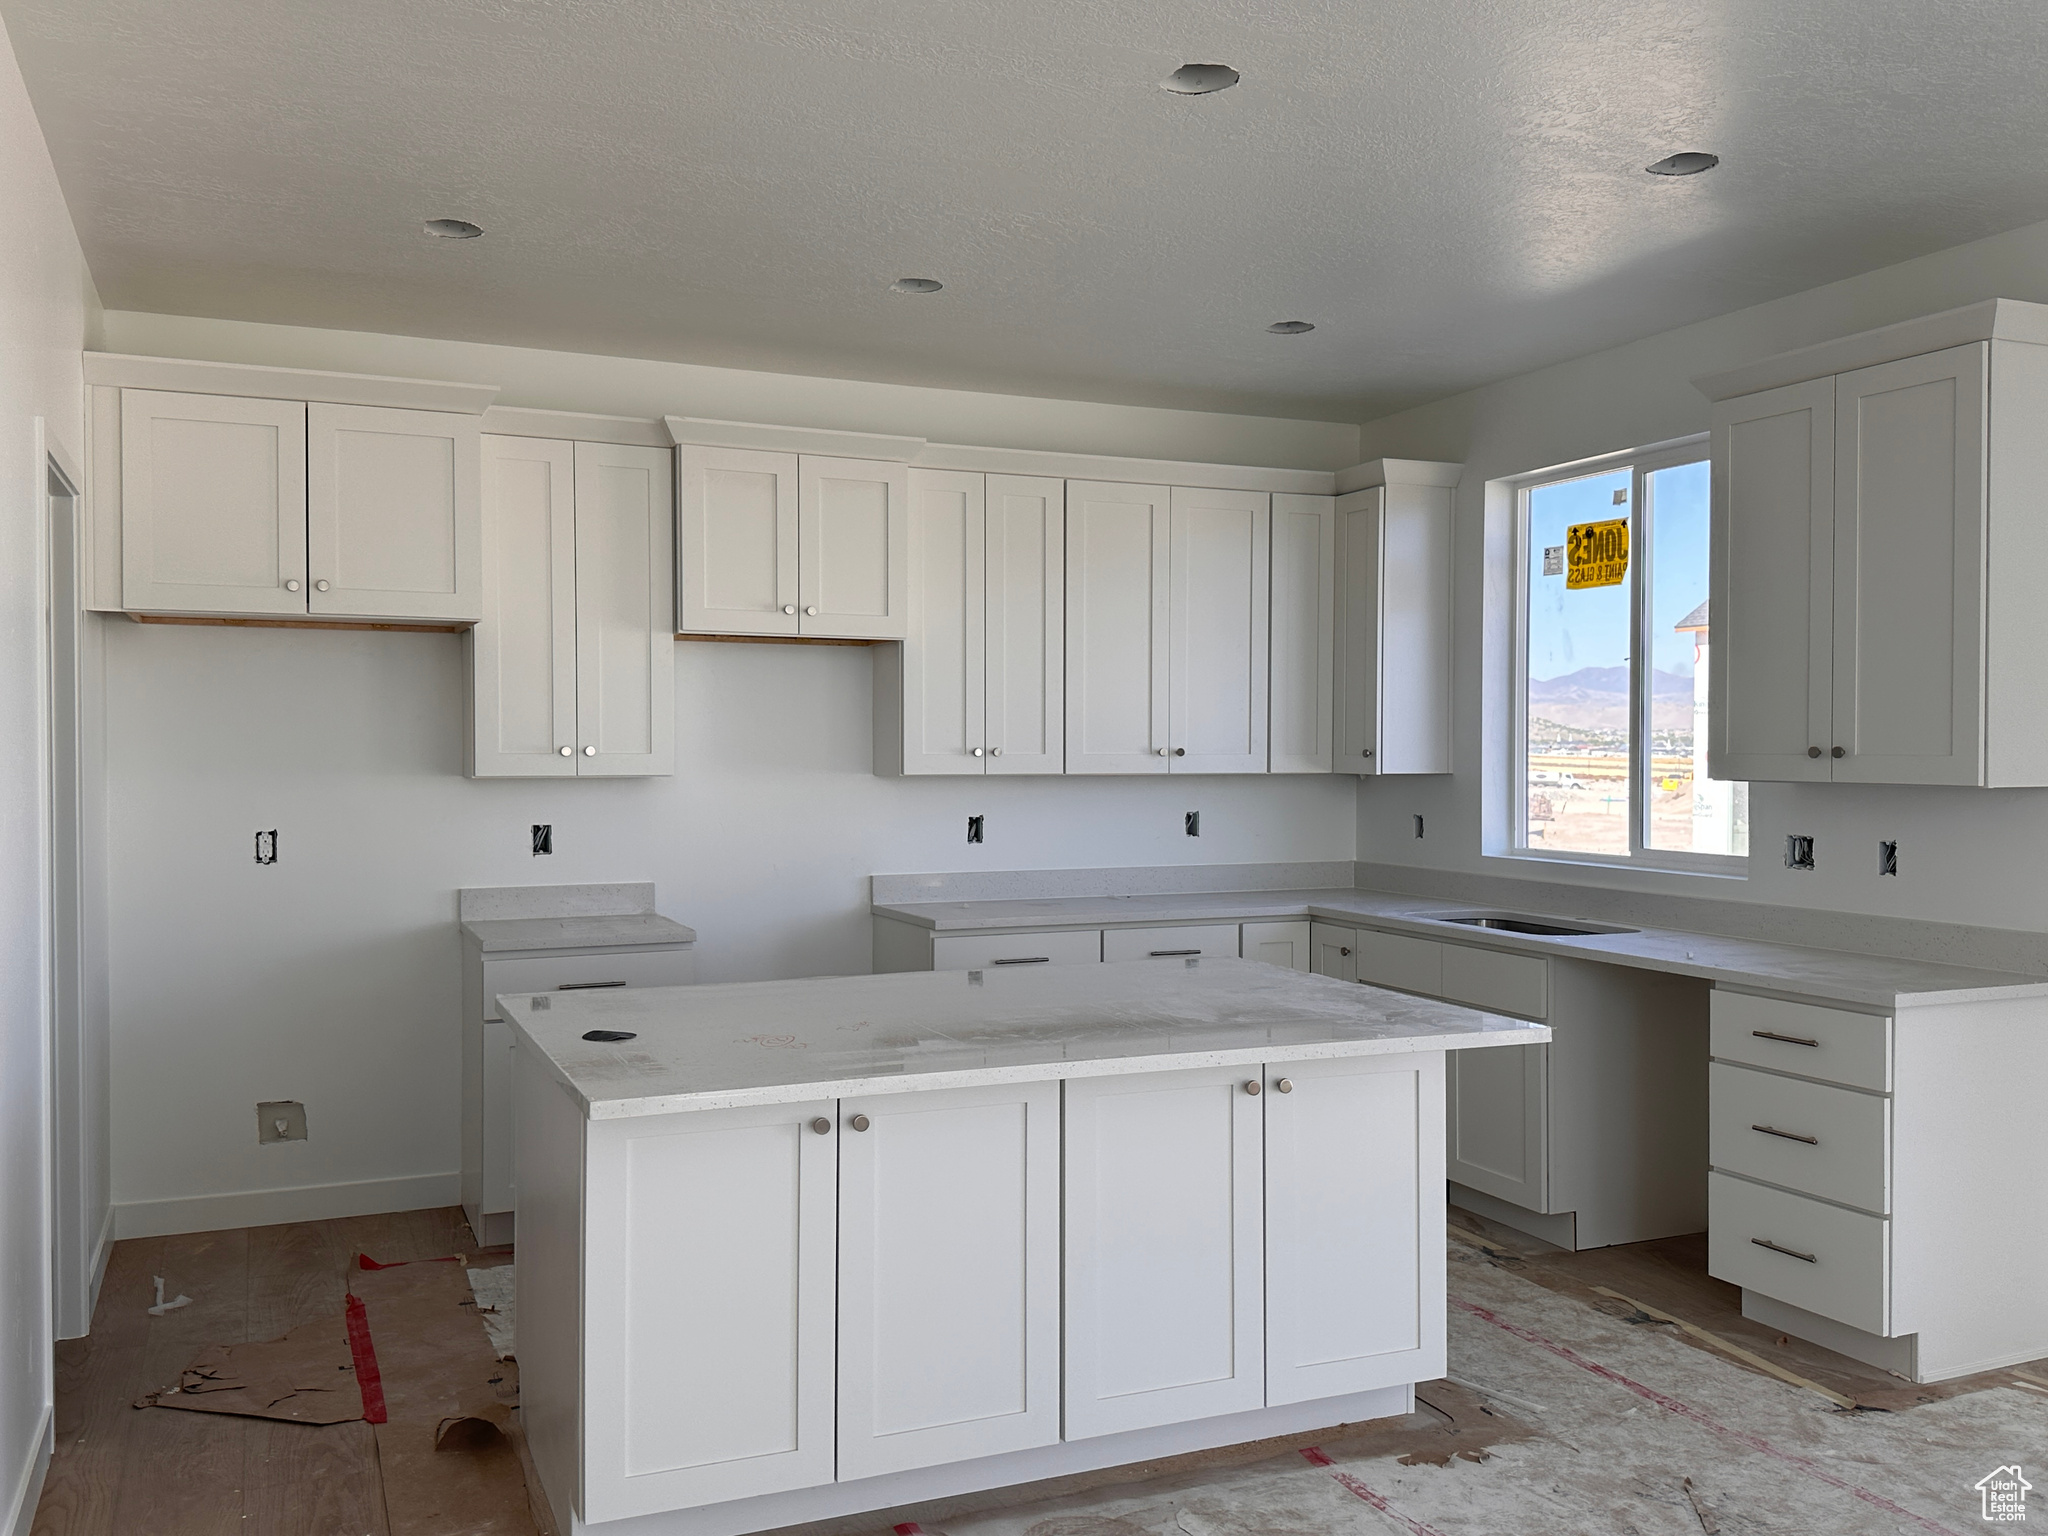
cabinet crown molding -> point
(256, 381)
(1991, 320)
(1361, 477)
(700, 432)
(574, 426)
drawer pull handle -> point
(1790, 1253)
(1767, 1034)
(1158, 954)
(1025, 960)
(1772, 1130)
(587, 986)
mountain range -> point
(1597, 697)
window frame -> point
(1642, 536)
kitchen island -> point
(794, 1250)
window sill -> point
(1704, 866)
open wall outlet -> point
(1798, 851)
(281, 1120)
(1192, 823)
(543, 838)
(266, 847)
(974, 829)
(1888, 856)
(1418, 826)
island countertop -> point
(780, 1042)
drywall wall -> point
(47, 311)
(1966, 856)
(576, 381)
(332, 976)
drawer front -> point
(1396, 960)
(1838, 1263)
(599, 967)
(1820, 1140)
(980, 951)
(1169, 943)
(1486, 978)
(1830, 1043)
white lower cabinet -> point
(726, 1215)
(1165, 1315)
(1283, 944)
(1333, 951)
(1498, 1104)
(974, 951)
(1354, 1224)
(1180, 943)
(949, 1276)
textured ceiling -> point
(1450, 189)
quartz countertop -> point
(780, 1042)
(1828, 975)
(619, 930)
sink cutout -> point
(1515, 922)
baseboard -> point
(28, 1487)
(268, 1207)
(1560, 1231)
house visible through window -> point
(1612, 675)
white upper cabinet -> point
(793, 544)
(572, 667)
(1862, 630)
(1118, 541)
(1304, 629)
(213, 504)
(977, 686)
(1217, 652)
(1394, 545)
(393, 528)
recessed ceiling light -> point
(916, 285)
(1200, 79)
(1689, 163)
(1289, 327)
(451, 229)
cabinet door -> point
(853, 543)
(1909, 569)
(1218, 650)
(1164, 1264)
(625, 629)
(1771, 583)
(213, 504)
(1415, 593)
(943, 659)
(1026, 584)
(1333, 951)
(949, 1276)
(1304, 657)
(1283, 944)
(1354, 1224)
(1117, 558)
(736, 546)
(522, 653)
(1497, 1136)
(708, 1316)
(394, 521)
(1357, 709)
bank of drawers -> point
(1799, 1199)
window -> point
(1611, 718)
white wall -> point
(332, 976)
(46, 310)
(1967, 856)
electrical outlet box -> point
(974, 829)
(1798, 851)
(281, 1120)
(1418, 826)
(266, 847)
(543, 838)
(1192, 823)
(1887, 856)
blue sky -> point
(1589, 628)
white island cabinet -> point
(791, 1251)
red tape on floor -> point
(1701, 1418)
(365, 1356)
(1316, 1457)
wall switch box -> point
(974, 829)
(543, 838)
(281, 1120)
(1798, 852)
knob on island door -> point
(1251, 1086)
(821, 1125)
(1285, 1085)
(860, 1122)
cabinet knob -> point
(1813, 751)
(1162, 751)
(590, 751)
(1368, 752)
(995, 751)
(1180, 751)
(860, 1122)
(789, 607)
(1841, 752)
(977, 751)
(1285, 1085)
(1251, 1086)
(1343, 949)
(821, 1125)
(812, 611)
(319, 586)
(291, 586)
(568, 751)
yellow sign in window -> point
(1596, 554)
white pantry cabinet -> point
(792, 544)
(572, 666)
(1303, 695)
(1393, 554)
(1167, 629)
(949, 1276)
(978, 685)
(1870, 637)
